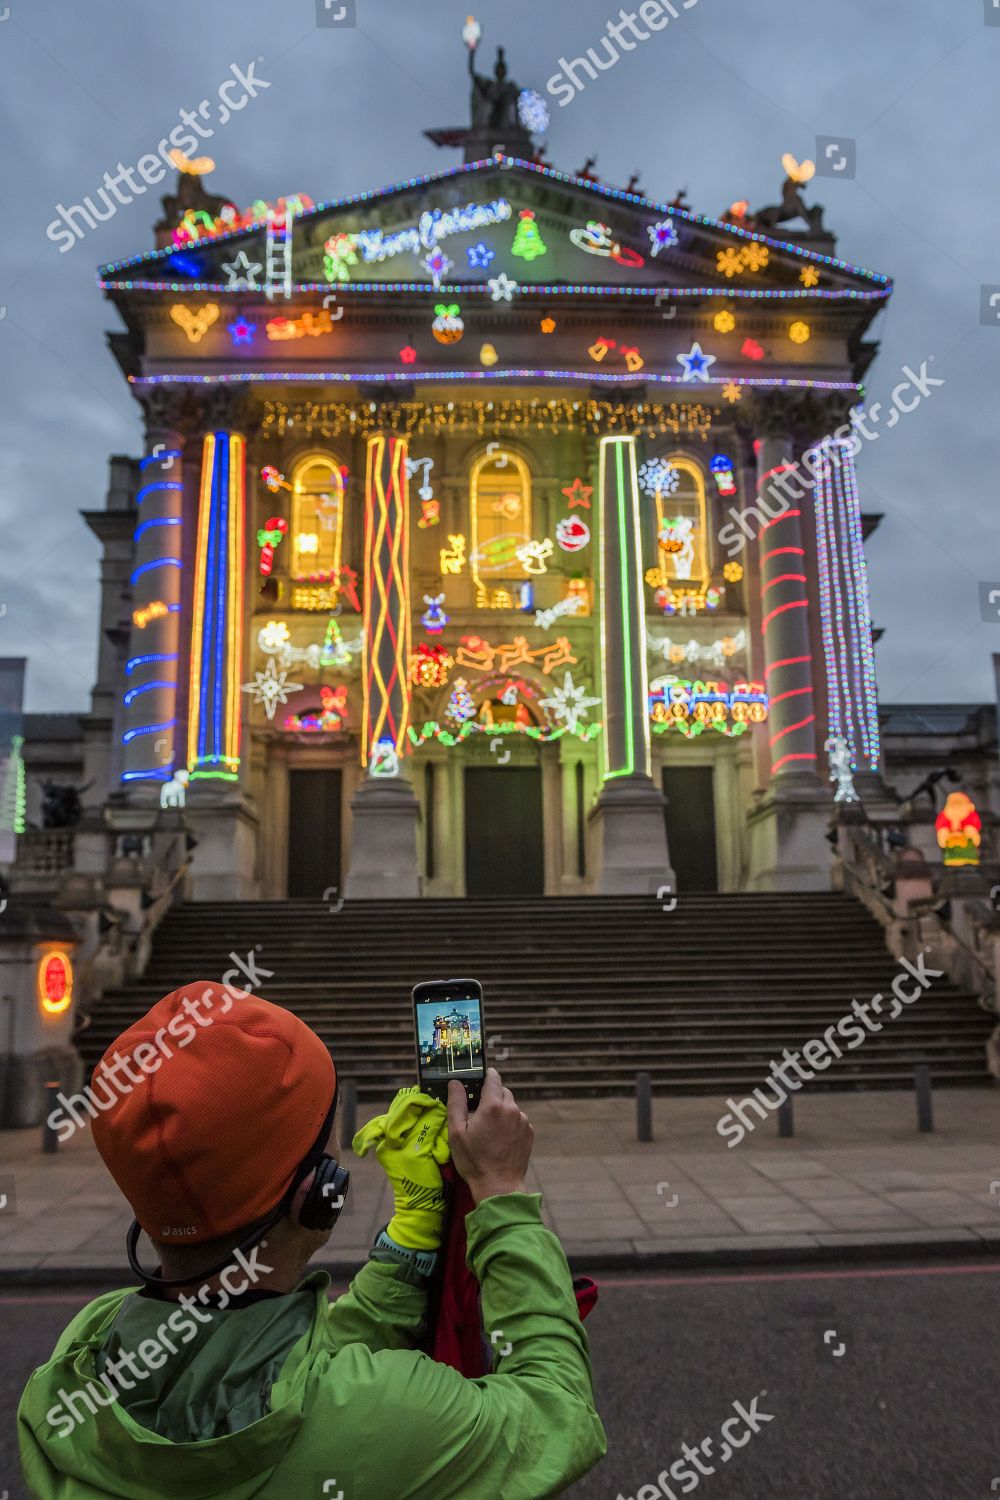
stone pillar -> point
(150, 694)
(628, 824)
(384, 861)
(788, 850)
(37, 1001)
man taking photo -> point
(229, 1373)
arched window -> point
(676, 485)
(500, 524)
(317, 517)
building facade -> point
(495, 532)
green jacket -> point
(298, 1398)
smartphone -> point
(448, 1025)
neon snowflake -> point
(532, 111)
(663, 235)
(569, 704)
(437, 265)
(271, 687)
(658, 477)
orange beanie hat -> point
(207, 1107)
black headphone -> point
(321, 1208)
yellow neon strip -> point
(405, 630)
(198, 615)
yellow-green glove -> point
(411, 1143)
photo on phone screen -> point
(448, 1017)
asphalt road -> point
(881, 1383)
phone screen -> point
(449, 1026)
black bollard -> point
(348, 1113)
(786, 1118)
(643, 1107)
(50, 1137)
(925, 1103)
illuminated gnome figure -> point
(841, 770)
(958, 830)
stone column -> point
(628, 823)
(150, 693)
(384, 861)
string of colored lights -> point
(329, 419)
(150, 706)
(433, 730)
(217, 626)
(386, 650)
(524, 290)
(598, 189)
(623, 691)
(460, 377)
(844, 605)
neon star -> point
(663, 235)
(437, 265)
(503, 288)
(578, 493)
(696, 364)
(242, 272)
(271, 687)
(480, 255)
(242, 332)
(569, 704)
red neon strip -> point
(780, 610)
(769, 474)
(792, 693)
(809, 719)
(786, 661)
(777, 552)
(783, 578)
(802, 755)
(786, 515)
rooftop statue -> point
(494, 100)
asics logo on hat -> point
(173, 1232)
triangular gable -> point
(500, 218)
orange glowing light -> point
(55, 983)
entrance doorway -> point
(690, 794)
(504, 839)
(314, 803)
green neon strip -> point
(626, 615)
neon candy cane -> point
(267, 539)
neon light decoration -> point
(528, 242)
(499, 493)
(242, 274)
(841, 771)
(696, 364)
(198, 225)
(800, 333)
(959, 830)
(488, 356)
(732, 572)
(452, 557)
(217, 626)
(152, 611)
(274, 479)
(461, 704)
(502, 287)
(657, 476)
(623, 619)
(477, 653)
(809, 276)
(430, 665)
(437, 265)
(598, 239)
(572, 534)
(533, 556)
(195, 321)
(480, 256)
(548, 325)
(732, 393)
(752, 350)
(533, 111)
(724, 322)
(570, 703)
(384, 759)
(268, 539)
(310, 325)
(242, 331)
(435, 225)
(675, 601)
(725, 479)
(578, 493)
(339, 255)
(13, 803)
(327, 719)
(663, 236)
(386, 653)
(318, 488)
(434, 618)
(691, 706)
(448, 326)
(572, 604)
(271, 687)
(471, 33)
(55, 983)
(432, 730)
(753, 256)
(844, 607)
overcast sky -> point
(708, 104)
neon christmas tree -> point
(528, 242)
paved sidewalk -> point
(857, 1179)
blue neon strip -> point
(147, 687)
(160, 484)
(408, 376)
(531, 289)
(140, 661)
(160, 458)
(159, 562)
(132, 734)
(162, 775)
(156, 521)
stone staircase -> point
(581, 993)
